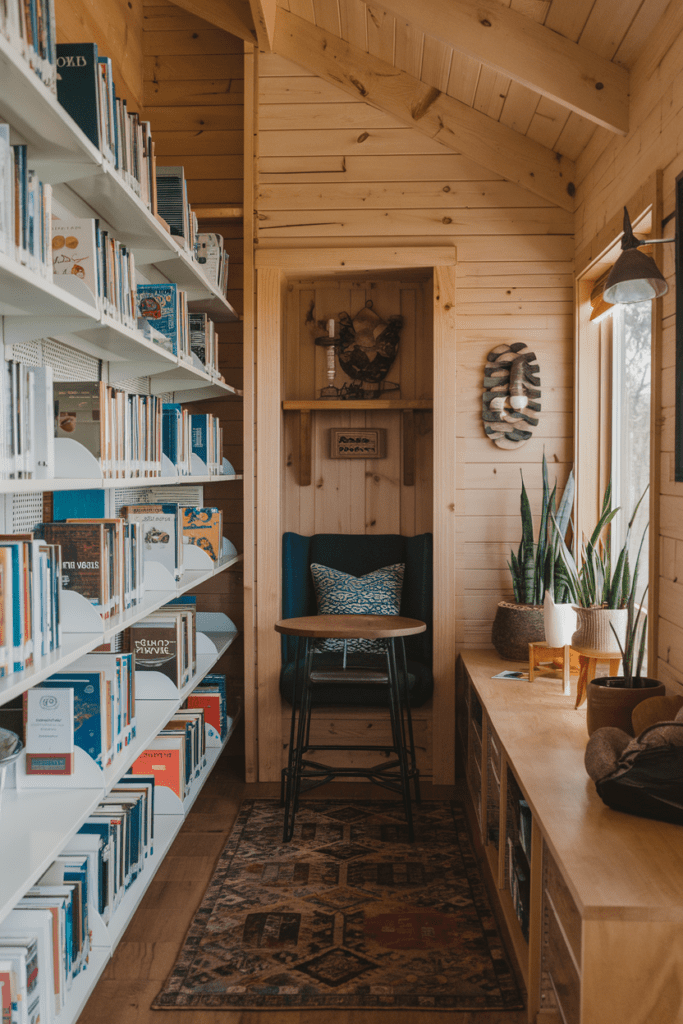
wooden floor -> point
(146, 954)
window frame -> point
(593, 383)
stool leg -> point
(406, 697)
(294, 761)
(304, 726)
(395, 697)
(286, 772)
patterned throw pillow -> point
(377, 593)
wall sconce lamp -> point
(635, 277)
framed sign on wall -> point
(367, 443)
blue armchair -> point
(358, 554)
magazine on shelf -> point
(74, 252)
(49, 730)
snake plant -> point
(538, 565)
(595, 585)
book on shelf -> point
(165, 306)
(95, 713)
(26, 421)
(19, 961)
(30, 27)
(203, 527)
(101, 559)
(165, 760)
(176, 439)
(74, 252)
(213, 260)
(211, 697)
(49, 730)
(173, 205)
(165, 642)
(204, 342)
(122, 430)
(207, 441)
(25, 208)
(30, 607)
(159, 528)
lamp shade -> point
(635, 277)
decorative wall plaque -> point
(368, 443)
(511, 395)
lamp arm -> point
(654, 241)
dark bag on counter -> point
(648, 782)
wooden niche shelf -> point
(305, 408)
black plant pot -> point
(610, 703)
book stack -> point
(81, 249)
(102, 559)
(166, 642)
(213, 259)
(173, 205)
(26, 421)
(30, 27)
(207, 441)
(176, 438)
(165, 307)
(45, 940)
(30, 578)
(25, 208)
(204, 343)
(211, 697)
(119, 838)
(86, 90)
(177, 755)
(123, 431)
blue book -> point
(96, 826)
(149, 782)
(78, 88)
(78, 872)
(21, 185)
(200, 436)
(91, 712)
(158, 303)
(18, 609)
(172, 417)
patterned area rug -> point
(347, 915)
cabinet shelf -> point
(353, 405)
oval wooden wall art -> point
(511, 395)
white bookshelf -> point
(39, 816)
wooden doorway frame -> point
(272, 268)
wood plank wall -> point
(609, 172)
(116, 27)
(334, 171)
(354, 495)
(194, 99)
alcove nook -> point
(355, 496)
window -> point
(631, 400)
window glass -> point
(631, 394)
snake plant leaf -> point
(566, 504)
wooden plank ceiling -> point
(551, 71)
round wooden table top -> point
(350, 627)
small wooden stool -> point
(588, 660)
(539, 652)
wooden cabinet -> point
(593, 899)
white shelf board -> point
(28, 296)
(83, 985)
(157, 598)
(85, 484)
(73, 646)
(214, 389)
(121, 345)
(58, 149)
(36, 825)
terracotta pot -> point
(559, 621)
(610, 703)
(515, 627)
(594, 630)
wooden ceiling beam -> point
(528, 52)
(457, 126)
(233, 16)
(264, 12)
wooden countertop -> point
(616, 865)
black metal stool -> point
(304, 774)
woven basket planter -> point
(515, 627)
(594, 629)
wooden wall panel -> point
(350, 495)
(198, 122)
(116, 27)
(336, 173)
(611, 171)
